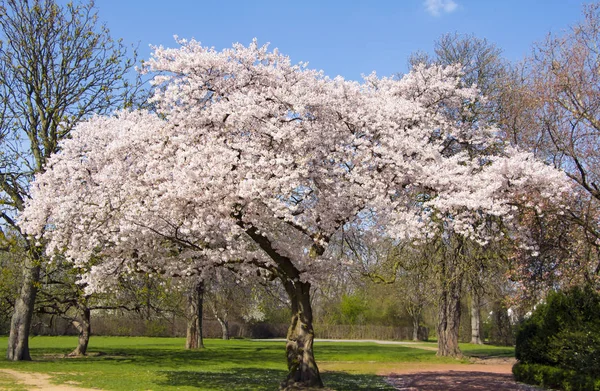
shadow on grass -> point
(142, 356)
(247, 379)
(343, 381)
(247, 354)
(237, 379)
(224, 357)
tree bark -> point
(449, 322)
(302, 367)
(449, 310)
(416, 321)
(224, 327)
(222, 317)
(476, 318)
(194, 338)
(18, 339)
(84, 326)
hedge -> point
(554, 377)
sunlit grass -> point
(138, 363)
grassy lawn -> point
(137, 363)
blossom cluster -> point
(243, 141)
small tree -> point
(550, 105)
(226, 296)
(408, 267)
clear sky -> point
(348, 38)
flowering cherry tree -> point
(258, 162)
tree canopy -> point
(255, 161)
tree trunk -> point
(476, 318)
(18, 340)
(416, 321)
(221, 317)
(449, 323)
(501, 333)
(84, 327)
(449, 311)
(224, 327)
(194, 324)
(302, 367)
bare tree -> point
(551, 105)
(58, 65)
(225, 296)
(483, 66)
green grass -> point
(137, 363)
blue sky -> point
(347, 38)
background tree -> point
(550, 106)
(58, 66)
(408, 267)
(60, 294)
(483, 67)
(226, 295)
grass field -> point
(137, 363)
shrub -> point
(562, 339)
(353, 309)
(156, 328)
(554, 377)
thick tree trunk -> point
(449, 312)
(302, 367)
(476, 318)
(194, 324)
(18, 340)
(449, 323)
(224, 327)
(84, 326)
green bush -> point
(156, 328)
(554, 377)
(562, 339)
(353, 309)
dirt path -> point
(456, 381)
(34, 381)
(491, 374)
(484, 374)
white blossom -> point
(247, 140)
